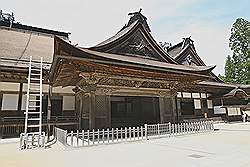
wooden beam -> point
(20, 96)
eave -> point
(64, 52)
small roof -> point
(217, 84)
(16, 46)
(174, 51)
(19, 26)
(236, 93)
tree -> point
(229, 70)
(237, 67)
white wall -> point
(68, 102)
(9, 86)
(233, 111)
(209, 104)
(10, 102)
(219, 110)
(197, 103)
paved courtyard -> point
(228, 146)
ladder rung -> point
(34, 119)
(35, 64)
(34, 100)
(34, 106)
(33, 126)
(35, 69)
(34, 94)
(34, 84)
(34, 89)
(35, 79)
(35, 74)
(32, 112)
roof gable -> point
(189, 56)
(135, 40)
(185, 53)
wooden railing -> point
(13, 126)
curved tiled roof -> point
(148, 62)
(118, 35)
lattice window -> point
(101, 105)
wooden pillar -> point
(92, 114)
(20, 96)
(162, 106)
(108, 101)
(49, 111)
(174, 111)
(79, 113)
(1, 101)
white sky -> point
(92, 21)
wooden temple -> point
(126, 80)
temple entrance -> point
(134, 111)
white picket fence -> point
(115, 135)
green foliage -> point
(237, 67)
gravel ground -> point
(228, 146)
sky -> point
(208, 22)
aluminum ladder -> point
(33, 137)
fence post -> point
(158, 129)
(98, 136)
(83, 137)
(178, 128)
(103, 136)
(208, 126)
(212, 123)
(193, 128)
(201, 126)
(175, 129)
(129, 132)
(93, 136)
(138, 133)
(146, 131)
(126, 134)
(204, 126)
(184, 128)
(112, 135)
(108, 135)
(141, 132)
(88, 136)
(77, 137)
(71, 138)
(117, 134)
(181, 132)
(169, 128)
(65, 137)
(134, 133)
(122, 134)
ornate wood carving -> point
(136, 45)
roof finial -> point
(135, 13)
(137, 16)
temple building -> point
(126, 80)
